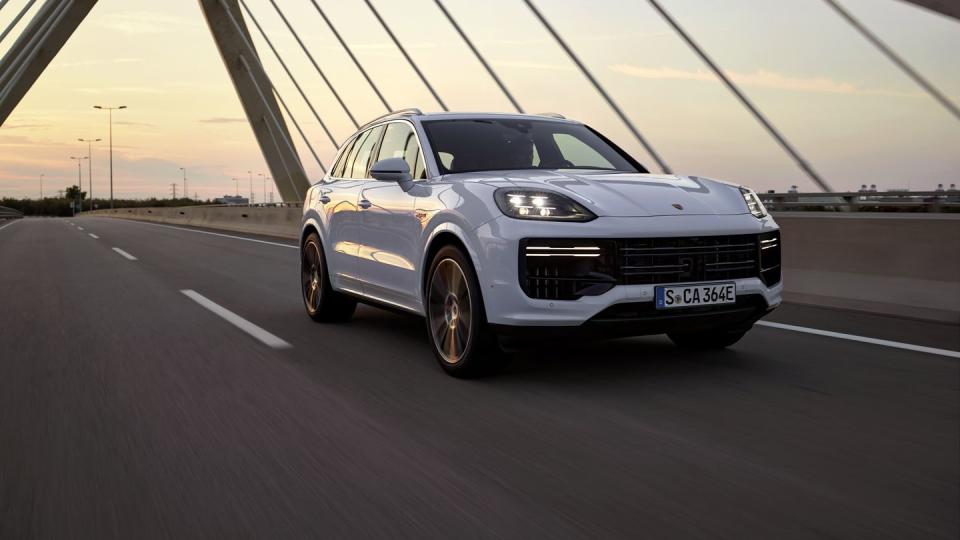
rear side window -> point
(400, 141)
(362, 151)
(352, 154)
(337, 171)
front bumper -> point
(497, 245)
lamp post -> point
(110, 111)
(251, 186)
(185, 192)
(79, 206)
(90, 165)
(265, 178)
(41, 186)
(237, 182)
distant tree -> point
(71, 193)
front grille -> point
(648, 261)
(567, 269)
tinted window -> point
(400, 141)
(361, 162)
(506, 144)
(337, 171)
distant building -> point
(232, 199)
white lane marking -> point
(217, 234)
(79, 228)
(93, 236)
(862, 339)
(11, 223)
(258, 333)
(125, 254)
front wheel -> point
(705, 341)
(322, 302)
(456, 325)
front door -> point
(390, 231)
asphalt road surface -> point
(130, 409)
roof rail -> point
(399, 112)
(552, 115)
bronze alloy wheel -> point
(450, 311)
(311, 276)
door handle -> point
(324, 199)
(364, 204)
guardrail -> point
(865, 201)
(10, 213)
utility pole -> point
(173, 188)
(90, 165)
(110, 111)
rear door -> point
(338, 203)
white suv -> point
(501, 226)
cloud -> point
(26, 126)
(761, 79)
(137, 124)
(532, 65)
(222, 120)
(143, 22)
(119, 90)
(87, 63)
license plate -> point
(706, 294)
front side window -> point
(399, 140)
(362, 151)
(511, 144)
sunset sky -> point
(853, 114)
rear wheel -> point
(322, 302)
(456, 324)
(705, 341)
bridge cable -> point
(603, 93)
(285, 68)
(893, 57)
(3, 3)
(800, 161)
(276, 122)
(315, 64)
(407, 56)
(15, 19)
(299, 129)
(351, 55)
(479, 56)
(243, 60)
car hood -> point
(628, 194)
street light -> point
(251, 186)
(41, 186)
(265, 178)
(79, 184)
(237, 182)
(90, 165)
(185, 192)
(110, 111)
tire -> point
(322, 303)
(456, 321)
(707, 341)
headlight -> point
(754, 204)
(542, 205)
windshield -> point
(509, 144)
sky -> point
(852, 114)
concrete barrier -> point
(906, 265)
(896, 264)
(279, 222)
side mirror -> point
(391, 170)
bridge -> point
(158, 377)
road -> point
(128, 409)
